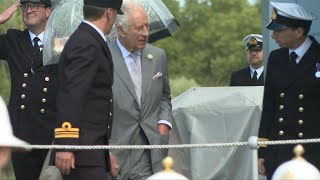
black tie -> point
(293, 57)
(255, 76)
(36, 46)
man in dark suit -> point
(291, 93)
(253, 74)
(33, 86)
(84, 101)
(141, 92)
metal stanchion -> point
(253, 144)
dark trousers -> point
(87, 173)
(28, 165)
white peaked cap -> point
(293, 11)
(7, 139)
(258, 37)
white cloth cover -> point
(215, 115)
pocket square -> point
(157, 76)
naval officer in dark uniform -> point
(33, 86)
(291, 95)
(84, 100)
(251, 75)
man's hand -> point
(114, 165)
(163, 129)
(6, 15)
(65, 161)
(4, 157)
(261, 167)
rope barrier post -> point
(253, 144)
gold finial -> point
(298, 151)
(287, 175)
(168, 164)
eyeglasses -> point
(33, 7)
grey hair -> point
(128, 8)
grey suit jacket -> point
(128, 117)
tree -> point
(209, 44)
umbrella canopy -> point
(68, 14)
(64, 20)
(162, 23)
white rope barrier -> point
(176, 146)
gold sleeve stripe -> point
(75, 133)
(66, 136)
(66, 131)
(263, 139)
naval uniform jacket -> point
(33, 88)
(84, 101)
(242, 77)
(291, 105)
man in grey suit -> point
(141, 94)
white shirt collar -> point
(40, 36)
(97, 29)
(125, 53)
(302, 49)
(259, 71)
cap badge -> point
(253, 41)
(274, 15)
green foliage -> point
(181, 84)
(208, 47)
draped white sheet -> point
(215, 115)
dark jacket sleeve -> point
(268, 108)
(232, 80)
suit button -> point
(301, 96)
(44, 100)
(22, 107)
(24, 85)
(110, 114)
(301, 109)
(42, 111)
(300, 122)
(47, 79)
(23, 96)
(111, 100)
(281, 133)
(280, 120)
(281, 107)
(45, 90)
(108, 127)
(300, 135)
(25, 75)
(282, 95)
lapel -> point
(260, 81)
(248, 75)
(146, 70)
(26, 47)
(307, 61)
(120, 68)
